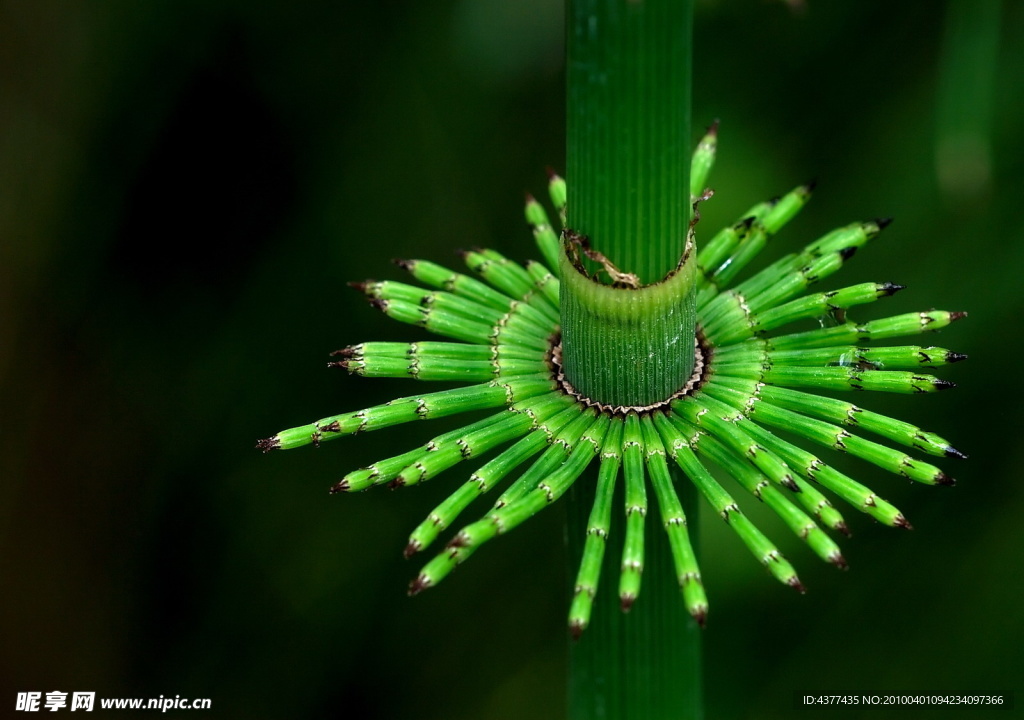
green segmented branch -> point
(673, 519)
(636, 511)
(751, 381)
(598, 527)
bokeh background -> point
(185, 188)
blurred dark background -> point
(185, 187)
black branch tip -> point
(346, 352)
(552, 174)
(839, 561)
(902, 522)
(944, 479)
(529, 198)
(403, 263)
(954, 453)
(576, 628)
(957, 315)
(379, 304)
(420, 583)
(626, 602)
(848, 252)
(892, 288)
(883, 223)
(943, 384)
(700, 614)
(809, 186)
(844, 529)
(713, 129)
(794, 582)
(272, 443)
(952, 357)
(340, 487)
(413, 547)
(360, 286)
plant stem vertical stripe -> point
(628, 103)
(628, 98)
(623, 347)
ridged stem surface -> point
(628, 83)
(628, 103)
(626, 347)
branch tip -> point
(272, 443)
(576, 628)
(953, 452)
(420, 583)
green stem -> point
(626, 347)
(628, 143)
(629, 71)
(629, 190)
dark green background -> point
(184, 190)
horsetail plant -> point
(653, 361)
(749, 379)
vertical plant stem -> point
(628, 182)
(629, 75)
(628, 144)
